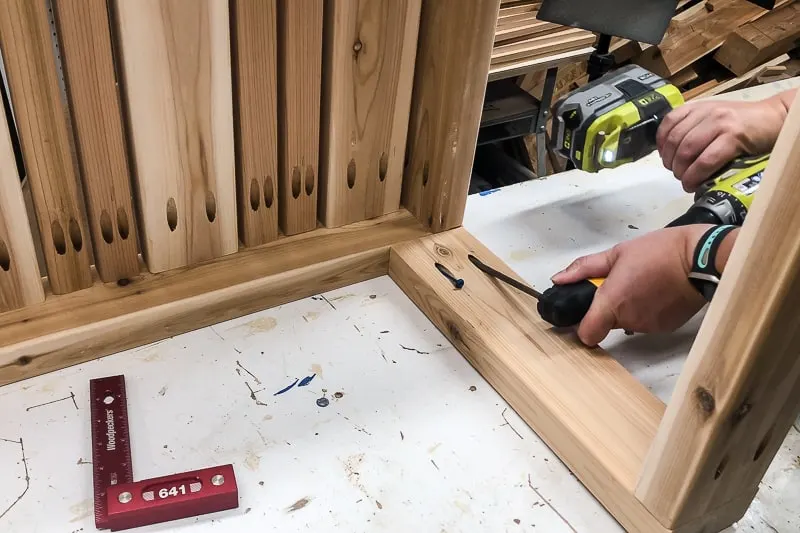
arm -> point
(647, 288)
(698, 139)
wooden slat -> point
(299, 92)
(107, 318)
(449, 87)
(369, 69)
(538, 64)
(254, 46)
(588, 409)
(88, 63)
(41, 118)
(693, 35)
(569, 39)
(581, 402)
(20, 282)
(530, 28)
(177, 66)
(739, 392)
(752, 44)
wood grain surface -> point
(20, 281)
(81, 326)
(88, 64)
(27, 47)
(300, 24)
(739, 391)
(254, 46)
(178, 89)
(455, 47)
(368, 72)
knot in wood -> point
(455, 333)
(24, 360)
(741, 412)
(705, 399)
(442, 250)
(357, 46)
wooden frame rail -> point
(692, 466)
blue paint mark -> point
(286, 388)
(306, 380)
(487, 193)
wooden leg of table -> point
(739, 392)
(455, 48)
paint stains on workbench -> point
(352, 467)
(258, 381)
(81, 510)
(24, 462)
(259, 325)
(310, 316)
(409, 349)
(299, 504)
(163, 391)
(306, 380)
(287, 388)
(251, 460)
(521, 255)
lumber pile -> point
(711, 47)
(522, 40)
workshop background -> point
(711, 47)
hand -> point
(647, 289)
(697, 139)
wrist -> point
(725, 249)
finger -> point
(692, 147)
(589, 266)
(598, 322)
(672, 119)
(713, 158)
(670, 149)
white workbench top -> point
(412, 438)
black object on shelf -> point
(637, 20)
(12, 130)
(508, 112)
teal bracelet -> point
(704, 275)
(714, 235)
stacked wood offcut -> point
(711, 47)
(522, 40)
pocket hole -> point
(255, 195)
(721, 467)
(762, 446)
(122, 224)
(5, 258)
(211, 206)
(172, 214)
(351, 173)
(309, 180)
(425, 170)
(269, 192)
(75, 235)
(106, 230)
(384, 167)
(59, 241)
(296, 182)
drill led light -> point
(608, 156)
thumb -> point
(589, 266)
(598, 322)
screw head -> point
(218, 480)
(125, 497)
(357, 46)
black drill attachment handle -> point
(565, 305)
